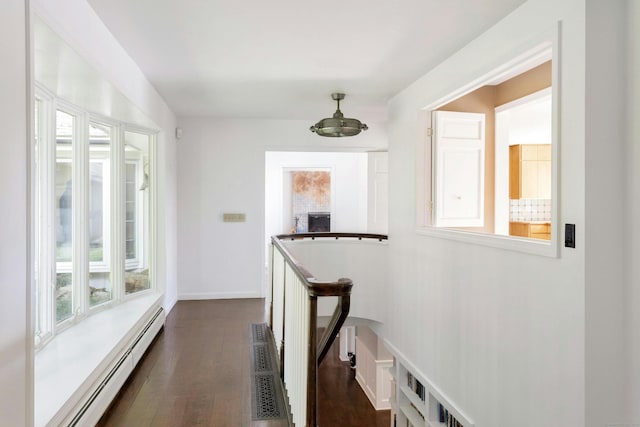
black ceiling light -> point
(338, 125)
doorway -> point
(523, 181)
(348, 192)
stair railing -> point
(294, 322)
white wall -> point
(633, 205)
(221, 168)
(116, 77)
(501, 333)
(16, 369)
(607, 345)
(362, 261)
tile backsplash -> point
(530, 210)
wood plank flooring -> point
(196, 373)
(341, 401)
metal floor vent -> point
(259, 332)
(261, 360)
(267, 395)
(267, 406)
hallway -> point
(196, 373)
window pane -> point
(99, 223)
(136, 201)
(63, 216)
(96, 220)
(131, 196)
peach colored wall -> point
(535, 79)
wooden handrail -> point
(321, 235)
(314, 287)
(340, 288)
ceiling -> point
(283, 58)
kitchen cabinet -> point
(530, 171)
(533, 230)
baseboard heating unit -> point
(99, 401)
(83, 401)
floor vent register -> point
(267, 394)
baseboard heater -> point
(99, 400)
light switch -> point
(570, 235)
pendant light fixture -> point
(338, 125)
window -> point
(93, 210)
(99, 214)
(63, 208)
(490, 156)
(136, 201)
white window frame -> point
(44, 219)
(146, 229)
(76, 266)
(113, 215)
(545, 45)
(109, 199)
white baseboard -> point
(168, 305)
(218, 295)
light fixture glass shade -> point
(338, 125)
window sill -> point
(67, 367)
(518, 244)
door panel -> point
(459, 150)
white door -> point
(458, 161)
(378, 193)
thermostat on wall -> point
(233, 217)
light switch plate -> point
(233, 217)
(570, 235)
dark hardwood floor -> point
(341, 401)
(196, 373)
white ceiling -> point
(283, 58)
